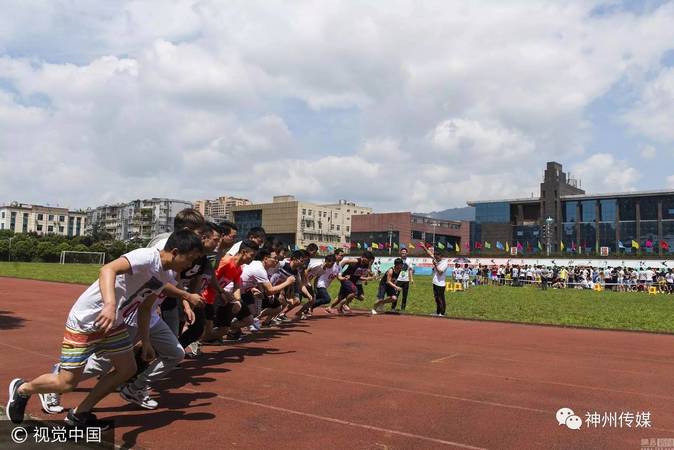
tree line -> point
(31, 247)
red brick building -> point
(403, 228)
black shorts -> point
(248, 298)
(386, 291)
(346, 289)
(224, 314)
(209, 311)
(322, 297)
(359, 290)
(271, 302)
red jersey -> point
(227, 272)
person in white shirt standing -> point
(440, 267)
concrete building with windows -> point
(580, 221)
(138, 219)
(403, 228)
(221, 208)
(24, 218)
(300, 223)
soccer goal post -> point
(71, 257)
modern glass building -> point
(625, 222)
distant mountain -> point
(466, 213)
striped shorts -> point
(78, 346)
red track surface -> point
(372, 382)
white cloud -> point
(482, 143)
(436, 103)
(670, 182)
(648, 152)
(652, 115)
(602, 172)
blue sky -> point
(409, 106)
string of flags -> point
(480, 246)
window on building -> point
(62, 218)
(304, 211)
(492, 212)
(627, 209)
(569, 211)
(39, 228)
(50, 229)
(40, 217)
(51, 217)
(60, 229)
(607, 210)
(2, 226)
(417, 234)
(3, 214)
(668, 208)
(337, 227)
(347, 228)
(588, 212)
(648, 208)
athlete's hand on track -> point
(106, 319)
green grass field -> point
(612, 310)
(66, 273)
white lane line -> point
(407, 391)
(454, 355)
(342, 422)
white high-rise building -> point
(138, 219)
(25, 218)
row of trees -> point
(48, 248)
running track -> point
(366, 382)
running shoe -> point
(16, 406)
(86, 420)
(140, 397)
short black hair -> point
(312, 247)
(226, 227)
(204, 228)
(262, 254)
(248, 245)
(330, 258)
(188, 218)
(297, 254)
(338, 251)
(184, 241)
(398, 261)
(257, 232)
(369, 255)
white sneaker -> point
(195, 348)
(140, 397)
(374, 312)
(51, 403)
(257, 324)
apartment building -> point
(26, 218)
